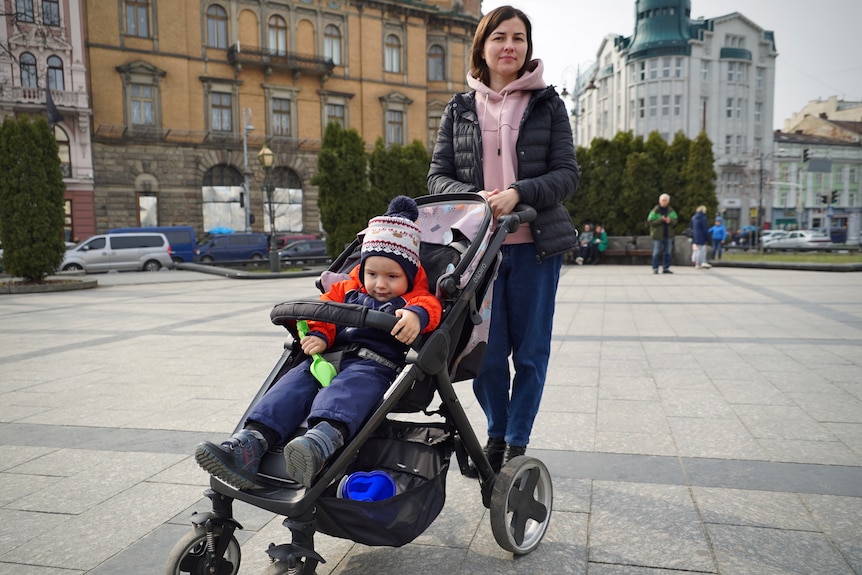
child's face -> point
(384, 278)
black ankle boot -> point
(513, 451)
(494, 451)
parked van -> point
(184, 244)
(121, 252)
(233, 247)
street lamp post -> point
(246, 128)
(266, 157)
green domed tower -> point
(662, 28)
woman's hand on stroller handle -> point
(523, 214)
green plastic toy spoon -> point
(322, 370)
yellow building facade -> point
(181, 89)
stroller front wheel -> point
(521, 504)
(189, 555)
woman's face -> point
(504, 51)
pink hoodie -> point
(499, 119)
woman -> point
(509, 140)
(699, 237)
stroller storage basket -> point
(416, 456)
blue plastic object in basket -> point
(368, 486)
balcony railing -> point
(20, 95)
(281, 61)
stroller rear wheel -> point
(189, 555)
(521, 504)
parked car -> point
(799, 240)
(282, 240)
(182, 239)
(147, 251)
(838, 235)
(305, 252)
(233, 247)
(770, 235)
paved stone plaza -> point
(706, 422)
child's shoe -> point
(306, 454)
(234, 461)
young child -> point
(389, 278)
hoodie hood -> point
(500, 116)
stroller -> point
(460, 253)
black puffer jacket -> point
(547, 169)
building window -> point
(281, 117)
(277, 35)
(677, 105)
(335, 113)
(220, 112)
(392, 54)
(51, 12)
(436, 70)
(27, 62)
(138, 18)
(143, 105)
(24, 11)
(55, 74)
(64, 151)
(758, 112)
(641, 108)
(665, 105)
(394, 127)
(677, 68)
(704, 70)
(332, 44)
(739, 107)
(653, 69)
(653, 106)
(728, 145)
(852, 175)
(759, 77)
(216, 27)
(642, 71)
(665, 67)
(434, 117)
(730, 107)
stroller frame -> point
(519, 498)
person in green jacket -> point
(598, 245)
(661, 221)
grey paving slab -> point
(697, 423)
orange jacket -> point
(420, 297)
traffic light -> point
(834, 197)
(824, 199)
(805, 155)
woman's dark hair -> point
(490, 22)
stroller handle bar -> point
(523, 214)
(354, 315)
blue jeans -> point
(662, 246)
(717, 247)
(522, 315)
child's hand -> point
(312, 344)
(407, 327)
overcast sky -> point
(819, 42)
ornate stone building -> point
(182, 88)
(42, 46)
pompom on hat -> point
(394, 236)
